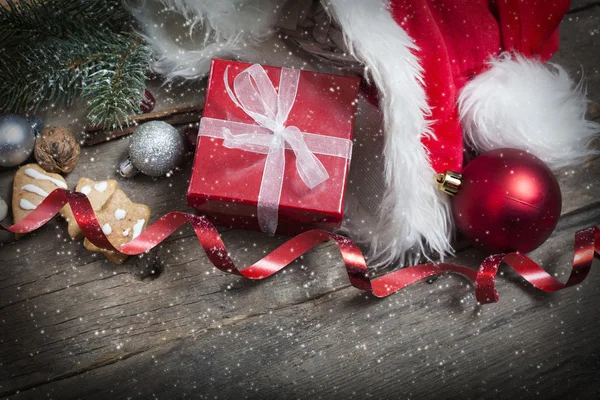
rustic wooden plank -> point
(428, 340)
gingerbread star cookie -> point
(98, 192)
(30, 186)
(121, 221)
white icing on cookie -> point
(34, 189)
(137, 228)
(86, 190)
(126, 232)
(101, 187)
(39, 176)
(120, 214)
(106, 228)
(27, 205)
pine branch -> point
(62, 49)
(114, 94)
(29, 21)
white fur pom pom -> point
(521, 103)
(214, 28)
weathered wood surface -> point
(75, 326)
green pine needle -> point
(58, 50)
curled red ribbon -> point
(587, 242)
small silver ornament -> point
(155, 149)
(17, 138)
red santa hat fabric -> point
(456, 39)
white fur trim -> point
(523, 104)
(414, 215)
(228, 28)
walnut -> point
(56, 149)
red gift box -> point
(226, 180)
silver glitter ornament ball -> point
(17, 138)
(155, 149)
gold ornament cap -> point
(449, 182)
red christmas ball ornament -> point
(508, 200)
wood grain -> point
(216, 335)
(580, 57)
(169, 325)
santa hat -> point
(453, 69)
(446, 70)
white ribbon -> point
(254, 93)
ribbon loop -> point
(256, 95)
(311, 170)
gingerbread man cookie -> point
(121, 221)
(98, 192)
(30, 186)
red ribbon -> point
(587, 242)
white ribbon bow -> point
(254, 93)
